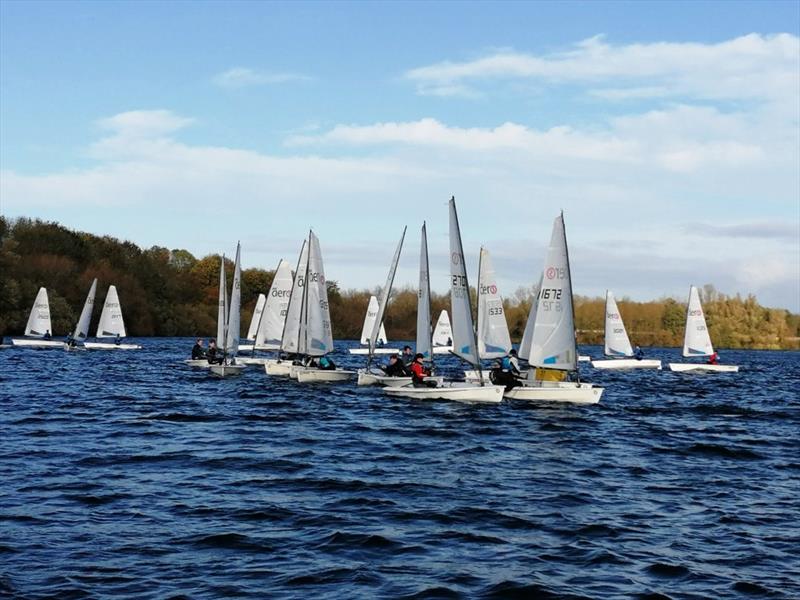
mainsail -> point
(616, 338)
(369, 322)
(464, 343)
(234, 316)
(386, 293)
(292, 329)
(222, 308)
(527, 335)
(82, 328)
(696, 341)
(39, 320)
(111, 323)
(443, 332)
(318, 333)
(270, 329)
(258, 313)
(494, 340)
(424, 340)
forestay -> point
(553, 341)
(111, 323)
(319, 334)
(293, 332)
(696, 341)
(270, 329)
(369, 322)
(386, 293)
(494, 340)
(39, 319)
(443, 333)
(616, 338)
(464, 343)
(424, 341)
(258, 313)
(234, 316)
(82, 328)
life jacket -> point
(505, 364)
(418, 372)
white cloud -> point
(144, 123)
(239, 77)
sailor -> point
(197, 350)
(407, 358)
(117, 340)
(713, 359)
(213, 354)
(395, 368)
(638, 354)
(419, 372)
(326, 364)
(47, 335)
(510, 363)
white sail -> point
(39, 319)
(424, 340)
(292, 330)
(234, 316)
(319, 335)
(82, 328)
(464, 342)
(553, 343)
(616, 338)
(369, 322)
(222, 308)
(527, 335)
(111, 323)
(258, 312)
(270, 328)
(494, 340)
(386, 293)
(443, 333)
(696, 341)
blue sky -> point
(668, 132)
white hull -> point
(226, 370)
(273, 367)
(197, 362)
(627, 363)
(323, 375)
(30, 343)
(111, 346)
(459, 392)
(442, 349)
(561, 391)
(245, 347)
(472, 376)
(584, 358)
(376, 351)
(703, 368)
(252, 361)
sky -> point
(667, 132)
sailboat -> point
(494, 341)
(82, 327)
(365, 376)
(231, 321)
(465, 343)
(617, 345)
(316, 339)
(292, 330)
(38, 329)
(270, 325)
(111, 325)
(254, 322)
(552, 345)
(443, 334)
(366, 331)
(697, 341)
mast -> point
(428, 290)
(304, 305)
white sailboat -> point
(292, 326)
(82, 327)
(270, 326)
(366, 330)
(111, 325)
(443, 334)
(697, 341)
(231, 322)
(317, 332)
(38, 329)
(553, 346)
(494, 340)
(465, 343)
(365, 375)
(617, 345)
(258, 311)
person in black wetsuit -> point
(395, 368)
(197, 350)
(213, 355)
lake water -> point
(129, 475)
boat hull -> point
(26, 343)
(226, 370)
(200, 363)
(110, 346)
(277, 368)
(584, 358)
(702, 368)
(323, 375)
(252, 361)
(458, 392)
(442, 349)
(627, 363)
(245, 348)
(376, 351)
(557, 391)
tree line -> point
(172, 293)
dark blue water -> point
(129, 475)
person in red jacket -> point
(713, 359)
(419, 372)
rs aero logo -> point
(696, 313)
(281, 293)
(550, 273)
(613, 316)
(455, 257)
(488, 289)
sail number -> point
(496, 311)
(551, 294)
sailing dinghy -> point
(291, 332)
(366, 330)
(258, 311)
(697, 341)
(82, 327)
(552, 345)
(38, 329)
(231, 321)
(111, 325)
(617, 345)
(465, 343)
(270, 325)
(443, 334)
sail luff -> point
(386, 293)
(424, 331)
(234, 313)
(465, 343)
(82, 327)
(290, 338)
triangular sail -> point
(292, 329)
(319, 333)
(270, 328)
(527, 335)
(494, 340)
(82, 328)
(386, 293)
(234, 315)
(424, 339)
(369, 320)
(258, 312)
(696, 341)
(553, 344)
(616, 338)
(222, 308)
(443, 333)
(111, 323)
(464, 342)
(39, 319)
